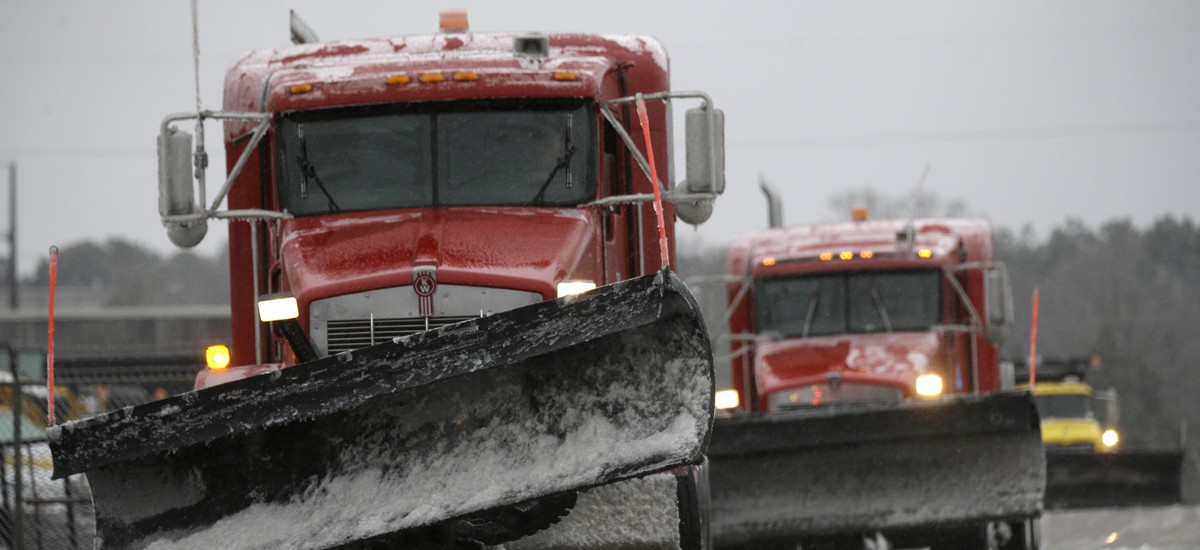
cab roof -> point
(944, 239)
(357, 71)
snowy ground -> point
(1161, 528)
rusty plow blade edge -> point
(541, 400)
(905, 469)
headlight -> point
(277, 307)
(217, 357)
(1109, 438)
(568, 288)
(726, 399)
(929, 385)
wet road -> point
(1162, 528)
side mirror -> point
(705, 141)
(1008, 375)
(998, 300)
(175, 191)
(1110, 409)
(705, 151)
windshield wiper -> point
(307, 170)
(875, 299)
(564, 161)
(812, 312)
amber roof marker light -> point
(453, 20)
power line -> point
(78, 152)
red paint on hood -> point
(527, 249)
(885, 358)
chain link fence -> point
(40, 513)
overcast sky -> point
(1029, 112)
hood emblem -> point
(425, 284)
(835, 380)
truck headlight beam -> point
(726, 399)
(929, 385)
(570, 288)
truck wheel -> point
(971, 538)
(692, 496)
(1026, 535)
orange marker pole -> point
(1033, 342)
(50, 339)
(658, 209)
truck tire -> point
(979, 537)
(1026, 535)
(692, 494)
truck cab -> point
(394, 185)
(865, 311)
(1075, 418)
(1068, 423)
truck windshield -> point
(839, 303)
(1063, 406)
(495, 153)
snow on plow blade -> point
(897, 468)
(1120, 479)
(535, 402)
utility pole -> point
(12, 235)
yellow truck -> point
(1069, 422)
(1085, 468)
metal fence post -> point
(18, 511)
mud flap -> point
(908, 470)
(1120, 479)
(555, 397)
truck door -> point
(618, 242)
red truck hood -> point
(527, 249)
(893, 359)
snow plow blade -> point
(417, 435)
(1113, 480)
(902, 469)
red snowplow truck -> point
(866, 396)
(451, 321)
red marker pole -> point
(50, 338)
(658, 209)
(1033, 342)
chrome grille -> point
(350, 334)
(824, 394)
(343, 322)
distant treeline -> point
(119, 272)
(1128, 295)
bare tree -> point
(915, 204)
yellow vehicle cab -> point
(1068, 422)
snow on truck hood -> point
(527, 249)
(896, 358)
